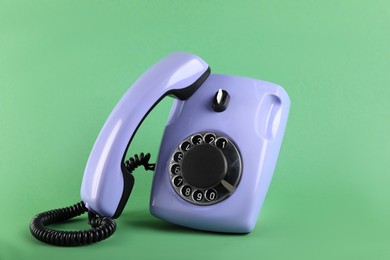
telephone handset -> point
(216, 160)
(106, 186)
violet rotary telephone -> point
(216, 160)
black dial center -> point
(204, 166)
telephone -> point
(216, 160)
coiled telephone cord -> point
(102, 227)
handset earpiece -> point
(106, 186)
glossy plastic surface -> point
(255, 121)
(103, 182)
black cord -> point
(138, 160)
(102, 227)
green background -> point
(65, 64)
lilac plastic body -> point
(255, 121)
(103, 182)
